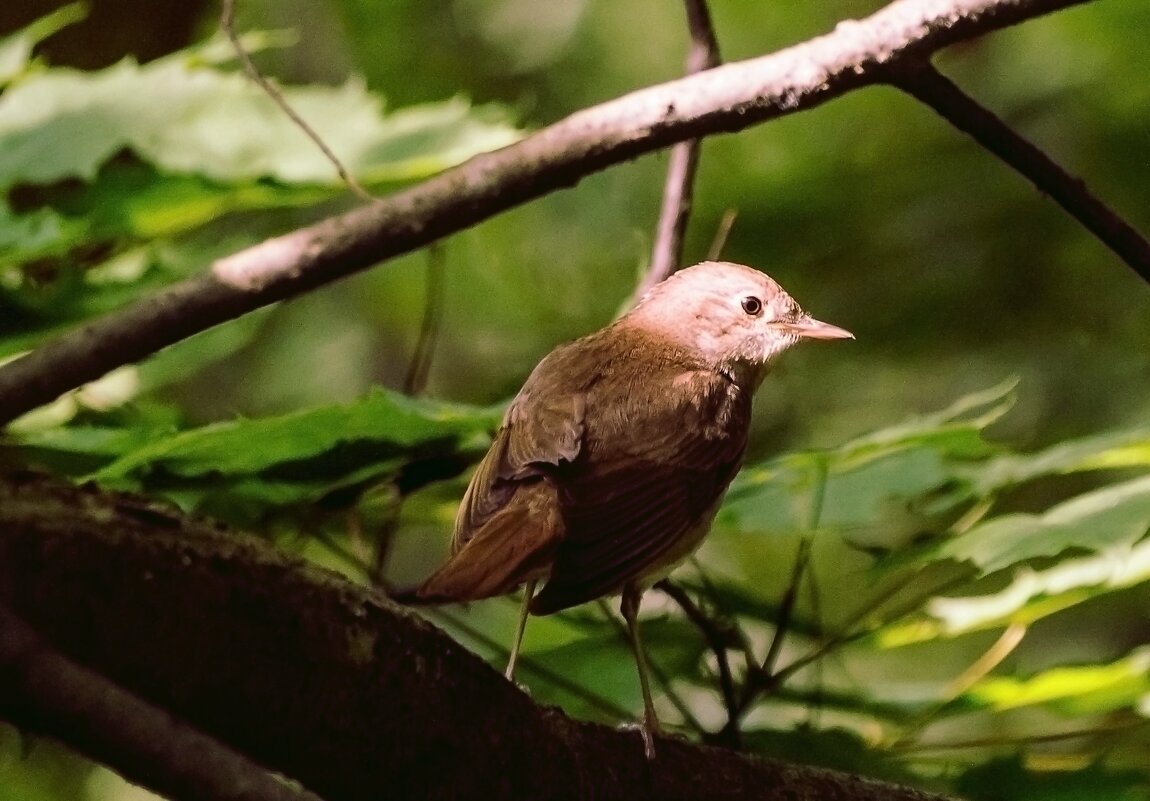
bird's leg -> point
(521, 626)
(629, 606)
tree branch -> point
(728, 98)
(667, 254)
(927, 85)
(45, 693)
(323, 680)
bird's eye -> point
(752, 305)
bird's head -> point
(736, 318)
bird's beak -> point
(810, 328)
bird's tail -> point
(509, 551)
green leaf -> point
(1008, 779)
(1075, 690)
(316, 459)
(955, 431)
(186, 117)
(251, 446)
(1112, 450)
(1030, 596)
(1118, 514)
(16, 48)
(869, 476)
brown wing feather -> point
(649, 478)
(515, 545)
(510, 521)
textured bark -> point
(311, 676)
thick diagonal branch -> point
(44, 692)
(728, 98)
(322, 680)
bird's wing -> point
(509, 521)
(541, 431)
(636, 503)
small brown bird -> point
(612, 460)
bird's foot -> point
(648, 730)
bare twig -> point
(1010, 639)
(429, 328)
(790, 598)
(719, 639)
(1013, 741)
(667, 254)
(657, 671)
(228, 25)
(721, 234)
(728, 98)
(44, 692)
(927, 85)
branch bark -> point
(51, 695)
(325, 681)
(728, 98)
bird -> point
(612, 460)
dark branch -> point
(927, 85)
(321, 679)
(728, 98)
(45, 693)
(667, 254)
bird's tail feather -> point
(509, 551)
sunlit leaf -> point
(1072, 690)
(1008, 779)
(866, 476)
(16, 48)
(1031, 596)
(183, 116)
(1117, 449)
(1118, 514)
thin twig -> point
(667, 254)
(728, 98)
(802, 559)
(764, 678)
(660, 675)
(417, 371)
(1015, 741)
(721, 234)
(228, 25)
(384, 540)
(1010, 639)
(927, 85)
(718, 635)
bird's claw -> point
(647, 731)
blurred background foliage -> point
(966, 484)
